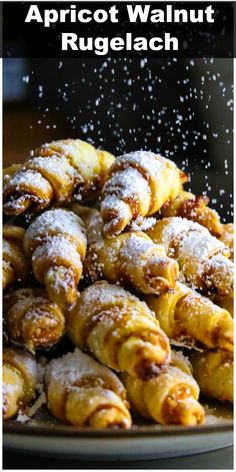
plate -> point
(143, 441)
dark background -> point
(180, 107)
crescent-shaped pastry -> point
(82, 392)
(139, 183)
(187, 205)
(203, 259)
(214, 372)
(19, 380)
(55, 173)
(56, 243)
(170, 398)
(119, 330)
(183, 313)
(131, 258)
(32, 320)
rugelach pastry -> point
(119, 330)
(55, 173)
(19, 380)
(138, 184)
(83, 392)
(56, 243)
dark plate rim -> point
(152, 430)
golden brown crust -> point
(185, 314)
(170, 398)
(119, 330)
(227, 237)
(214, 372)
(19, 380)
(32, 320)
(203, 259)
(139, 184)
(56, 243)
(224, 301)
(15, 265)
(54, 173)
(192, 207)
(131, 258)
(84, 393)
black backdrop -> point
(180, 107)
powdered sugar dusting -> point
(222, 264)
(27, 178)
(58, 222)
(52, 163)
(142, 224)
(71, 367)
(176, 227)
(126, 183)
(56, 248)
(195, 250)
(196, 246)
(151, 163)
(67, 146)
(108, 294)
(94, 225)
(135, 248)
(113, 203)
(221, 274)
(22, 417)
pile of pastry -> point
(112, 258)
